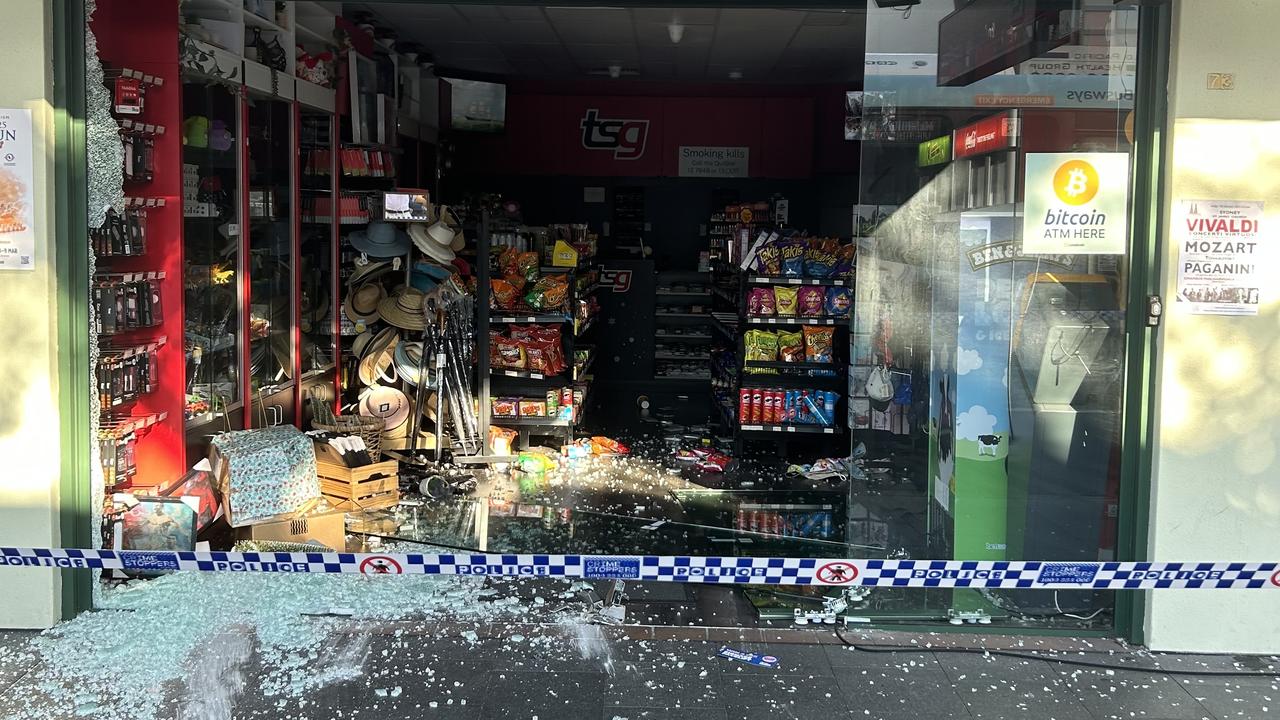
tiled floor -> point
(583, 673)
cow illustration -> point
(987, 445)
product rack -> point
(682, 299)
(730, 373)
(494, 381)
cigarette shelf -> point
(806, 429)
(784, 280)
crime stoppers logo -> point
(380, 565)
(837, 573)
(625, 138)
(1275, 578)
(1076, 182)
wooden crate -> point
(363, 488)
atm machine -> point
(1065, 391)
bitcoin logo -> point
(1075, 182)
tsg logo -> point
(626, 138)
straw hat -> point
(459, 240)
(378, 356)
(369, 271)
(362, 303)
(434, 240)
(387, 403)
(381, 240)
(361, 343)
(404, 309)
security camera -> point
(899, 4)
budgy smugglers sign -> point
(1076, 203)
(1219, 256)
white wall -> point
(29, 452)
(1217, 466)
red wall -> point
(792, 132)
(120, 26)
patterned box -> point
(265, 474)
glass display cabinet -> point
(271, 360)
(318, 321)
(213, 262)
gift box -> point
(265, 474)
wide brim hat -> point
(442, 254)
(381, 240)
(387, 403)
(361, 344)
(426, 276)
(363, 301)
(404, 309)
(369, 271)
(378, 357)
(408, 358)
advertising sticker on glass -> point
(1076, 203)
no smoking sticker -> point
(837, 573)
(380, 565)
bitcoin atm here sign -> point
(1076, 203)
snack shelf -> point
(748, 379)
(581, 329)
(793, 365)
(673, 356)
(784, 280)
(526, 374)
(579, 372)
(669, 336)
(757, 320)
(682, 377)
(682, 293)
(531, 422)
(806, 429)
(545, 318)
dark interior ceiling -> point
(754, 45)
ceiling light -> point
(615, 71)
(676, 32)
(735, 74)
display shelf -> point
(133, 350)
(525, 374)
(580, 329)
(702, 377)
(550, 318)
(673, 356)
(757, 320)
(784, 280)
(687, 336)
(680, 293)
(829, 382)
(681, 315)
(804, 429)
(134, 423)
(532, 422)
(579, 372)
(792, 365)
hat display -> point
(378, 356)
(381, 240)
(369, 271)
(362, 303)
(447, 216)
(404, 309)
(387, 403)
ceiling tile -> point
(655, 35)
(479, 13)
(827, 37)
(522, 12)
(687, 16)
(520, 32)
(776, 20)
(834, 17)
(600, 55)
(577, 31)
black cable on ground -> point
(1051, 658)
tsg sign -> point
(624, 138)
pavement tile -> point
(995, 687)
(696, 685)
(545, 695)
(1128, 694)
(1234, 697)
(784, 696)
(662, 713)
(792, 660)
(904, 686)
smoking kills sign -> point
(1076, 203)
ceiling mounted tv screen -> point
(477, 106)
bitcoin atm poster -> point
(1076, 203)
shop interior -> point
(660, 281)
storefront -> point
(833, 282)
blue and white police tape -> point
(665, 568)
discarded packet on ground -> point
(750, 658)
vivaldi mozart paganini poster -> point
(17, 236)
(1220, 256)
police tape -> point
(662, 568)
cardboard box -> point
(324, 527)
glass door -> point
(272, 371)
(318, 262)
(213, 263)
